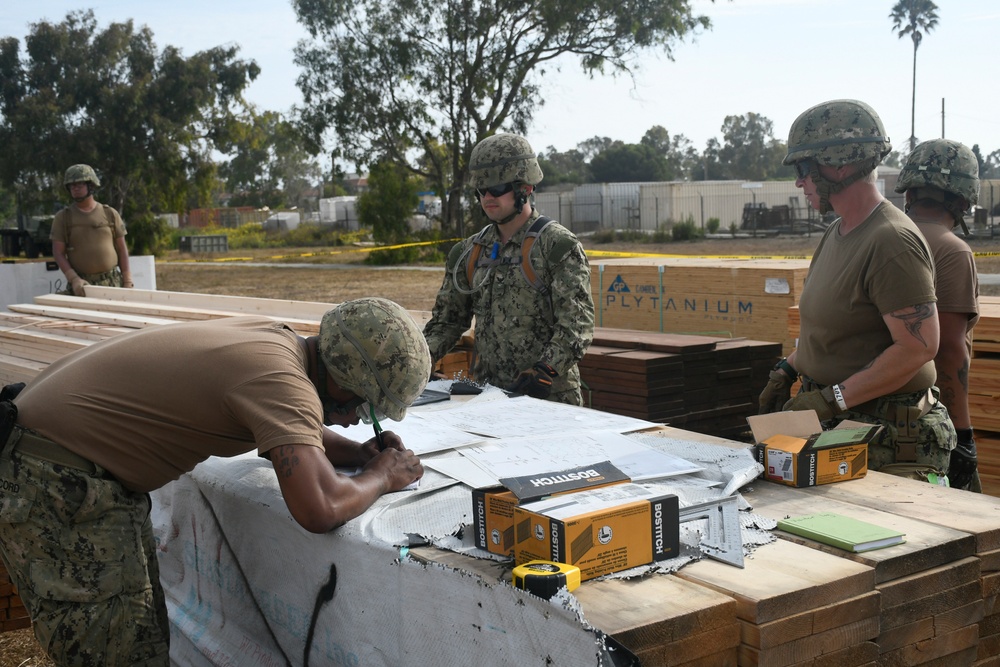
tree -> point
(147, 121)
(629, 163)
(749, 150)
(566, 167)
(389, 202)
(914, 18)
(271, 166)
(391, 77)
(678, 152)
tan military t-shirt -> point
(880, 267)
(148, 406)
(956, 280)
(89, 237)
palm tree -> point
(914, 18)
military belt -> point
(31, 444)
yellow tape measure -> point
(545, 577)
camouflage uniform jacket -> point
(516, 324)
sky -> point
(771, 57)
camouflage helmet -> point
(837, 133)
(373, 348)
(503, 158)
(81, 173)
(943, 164)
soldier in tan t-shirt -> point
(941, 182)
(88, 238)
(869, 324)
(100, 428)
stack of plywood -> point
(708, 385)
(929, 592)
(712, 297)
(798, 606)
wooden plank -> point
(843, 637)
(783, 579)
(133, 321)
(973, 513)
(926, 546)
(774, 633)
(954, 648)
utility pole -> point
(942, 118)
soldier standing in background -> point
(88, 238)
(869, 324)
(941, 182)
(524, 277)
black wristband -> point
(964, 435)
(783, 365)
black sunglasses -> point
(804, 167)
(496, 190)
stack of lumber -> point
(984, 388)
(928, 598)
(708, 385)
(723, 297)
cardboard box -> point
(600, 530)
(795, 451)
(493, 508)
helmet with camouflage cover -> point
(943, 164)
(503, 158)
(837, 133)
(81, 173)
(944, 171)
(373, 348)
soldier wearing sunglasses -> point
(525, 278)
(869, 321)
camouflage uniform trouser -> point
(79, 547)
(907, 445)
(112, 278)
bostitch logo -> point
(554, 538)
(481, 521)
(658, 528)
(812, 470)
(591, 475)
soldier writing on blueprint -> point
(524, 277)
(869, 323)
(89, 437)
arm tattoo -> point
(286, 460)
(914, 319)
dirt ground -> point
(337, 275)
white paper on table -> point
(461, 468)
(526, 416)
(421, 435)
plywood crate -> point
(713, 297)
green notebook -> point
(842, 531)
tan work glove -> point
(76, 283)
(127, 279)
(778, 389)
(822, 401)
